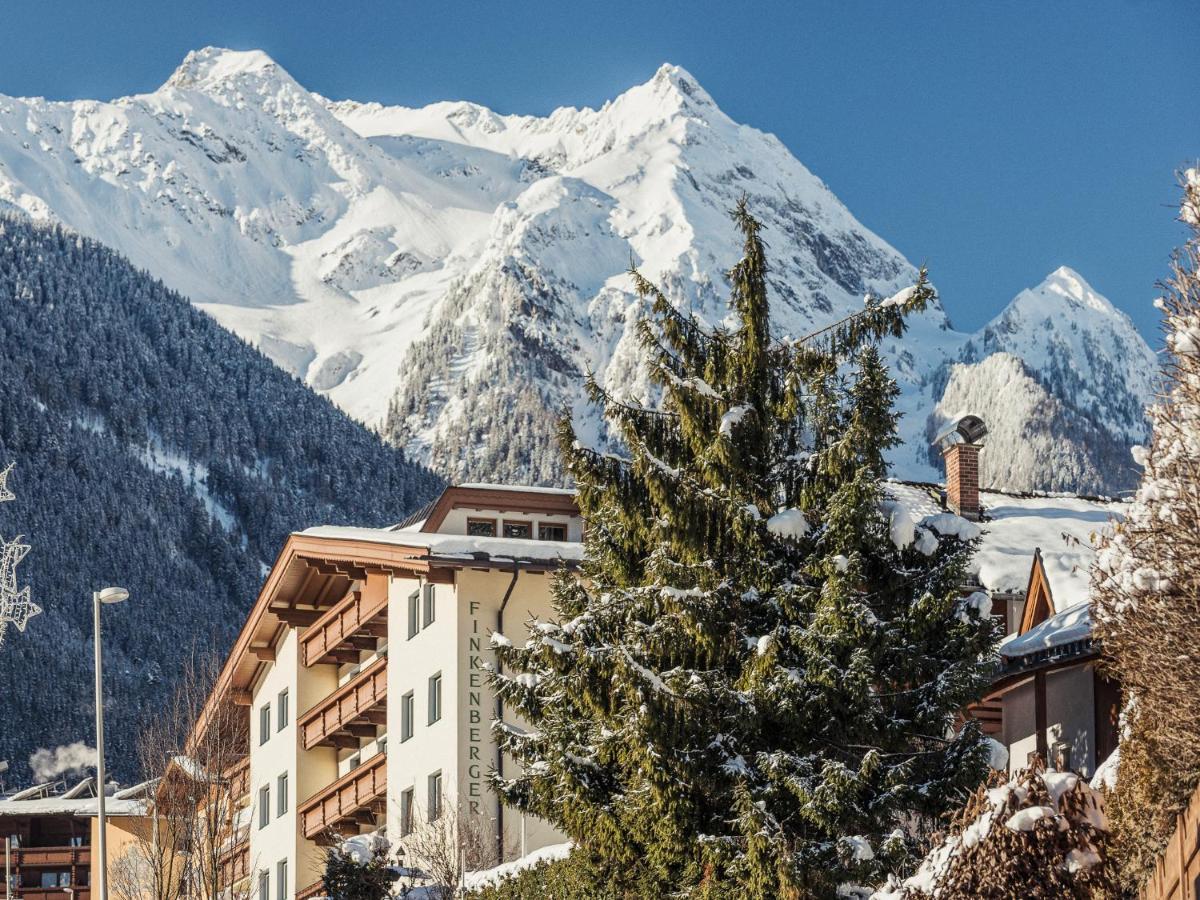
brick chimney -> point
(960, 445)
(962, 479)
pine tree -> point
(357, 876)
(753, 684)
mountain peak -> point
(672, 90)
(213, 66)
(1067, 284)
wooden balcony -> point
(353, 800)
(316, 889)
(51, 857)
(353, 624)
(52, 893)
(350, 713)
(238, 777)
(235, 864)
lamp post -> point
(108, 595)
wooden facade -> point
(1176, 874)
(51, 856)
(349, 713)
(355, 799)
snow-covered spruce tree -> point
(751, 688)
(1146, 596)
(357, 870)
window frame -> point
(264, 806)
(527, 524)
(408, 806)
(434, 788)
(482, 520)
(281, 872)
(414, 614)
(282, 710)
(264, 885)
(435, 698)
(428, 605)
(264, 723)
(408, 715)
(556, 525)
(281, 789)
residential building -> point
(363, 668)
(51, 829)
(363, 663)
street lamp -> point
(108, 595)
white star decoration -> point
(15, 606)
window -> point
(435, 796)
(281, 790)
(381, 744)
(56, 879)
(264, 723)
(264, 886)
(281, 879)
(281, 718)
(264, 805)
(414, 623)
(435, 698)
(1060, 756)
(481, 527)
(354, 762)
(551, 532)
(430, 608)
(518, 529)
(407, 707)
(407, 800)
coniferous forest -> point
(157, 451)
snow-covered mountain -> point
(448, 274)
(1062, 378)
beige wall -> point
(121, 835)
(1070, 718)
(308, 771)
(458, 645)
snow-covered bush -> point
(1147, 588)
(1037, 836)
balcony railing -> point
(235, 864)
(351, 625)
(52, 856)
(316, 889)
(354, 799)
(349, 713)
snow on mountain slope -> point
(447, 273)
(1063, 379)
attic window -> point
(481, 527)
(550, 532)
(523, 530)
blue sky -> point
(993, 141)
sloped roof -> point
(1064, 527)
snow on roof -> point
(119, 804)
(1063, 526)
(1072, 624)
(517, 488)
(457, 546)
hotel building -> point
(362, 667)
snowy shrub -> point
(1147, 591)
(1037, 836)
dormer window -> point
(520, 530)
(481, 527)
(548, 531)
